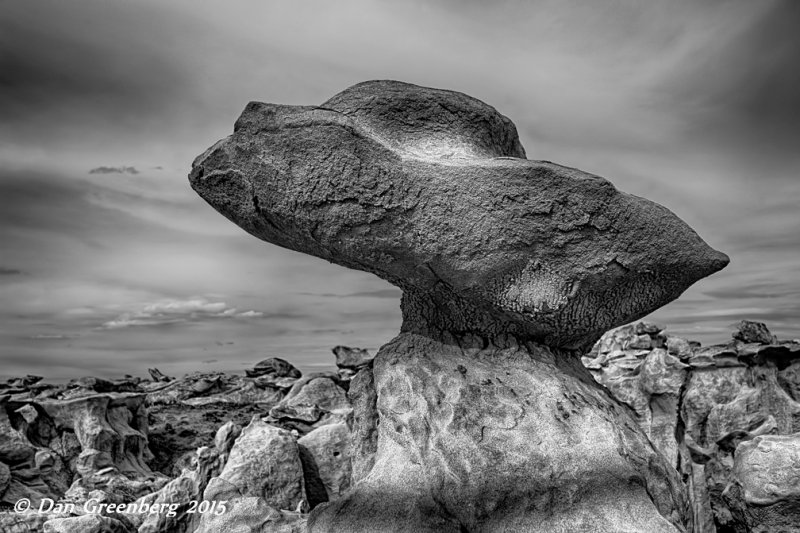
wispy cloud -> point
(53, 336)
(168, 312)
(114, 170)
(691, 104)
(390, 293)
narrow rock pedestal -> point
(472, 433)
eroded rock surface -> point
(641, 366)
(349, 361)
(429, 189)
(265, 463)
(314, 400)
(714, 404)
(262, 477)
(89, 444)
(479, 416)
(463, 447)
(325, 453)
(764, 494)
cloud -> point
(169, 312)
(61, 82)
(692, 104)
(53, 336)
(390, 293)
(114, 170)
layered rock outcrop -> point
(741, 471)
(90, 439)
(727, 416)
(70, 448)
(479, 415)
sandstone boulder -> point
(313, 401)
(325, 453)
(187, 487)
(700, 405)
(764, 494)
(351, 358)
(430, 190)
(226, 436)
(263, 463)
(644, 377)
(754, 332)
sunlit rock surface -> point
(717, 413)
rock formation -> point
(727, 416)
(72, 443)
(69, 448)
(350, 361)
(479, 415)
(731, 430)
(764, 492)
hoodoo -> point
(479, 415)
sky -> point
(110, 263)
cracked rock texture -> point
(510, 438)
(479, 416)
(431, 189)
(764, 494)
(727, 416)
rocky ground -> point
(272, 444)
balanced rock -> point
(480, 415)
(429, 189)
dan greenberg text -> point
(95, 506)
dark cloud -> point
(744, 89)
(692, 104)
(78, 70)
(114, 170)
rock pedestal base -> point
(476, 435)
